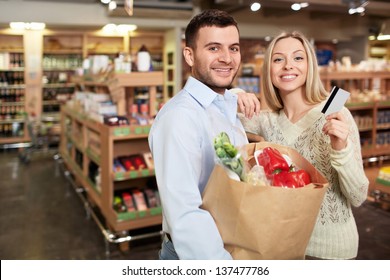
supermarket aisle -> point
(41, 217)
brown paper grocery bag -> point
(263, 222)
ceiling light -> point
(123, 28)
(382, 37)
(105, 1)
(112, 5)
(17, 25)
(255, 6)
(296, 7)
(36, 26)
(110, 28)
(120, 28)
(27, 25)
(304, 5)
(357, 6)
(360, 9)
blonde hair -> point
(314, 89)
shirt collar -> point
(200, 92)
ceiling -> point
(320, 16)
(374, 8)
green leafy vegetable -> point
(228, 154)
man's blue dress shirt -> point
(181, 141)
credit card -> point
(336, 101)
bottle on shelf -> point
(141, 118)
(145, 118)
(143, 59)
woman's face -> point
(289, 66)
(216, 58)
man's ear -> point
(188, 54)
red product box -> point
(127, 163)
(128, 201)
(138, 162)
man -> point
(181, 138)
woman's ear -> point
(188, 54)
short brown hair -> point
(210, 17)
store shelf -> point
(13, 129)
(61, 52)
(372, 119)
(101, 144)
(121, 87)
(356, 80)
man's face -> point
(216, 57)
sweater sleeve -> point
(349, 165)
(251, 125)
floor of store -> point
(43, 218)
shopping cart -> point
(44, 135)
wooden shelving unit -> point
(67, 49)
(121, 87)
(85, 141)
(114, 141)
(352, 81)
(368, 115)
(374, 129)
(13, 125)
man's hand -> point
(248, 103)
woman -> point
(295, 95)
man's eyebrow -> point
(213, 43)
(220, 44)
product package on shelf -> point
(263, 221)
(98, 107)
(151, 198)
(131, 166)
(133, 162)
(139, 199)
(149, 160)
(139, 116)
(128, 200)
(137, 203)
(117, 166)
(103, 108)
(115, 120)
(384, 176)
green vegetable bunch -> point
(228, 154)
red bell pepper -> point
(292, 179)
(272, 161)
(279, 172)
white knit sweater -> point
(335, 234)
